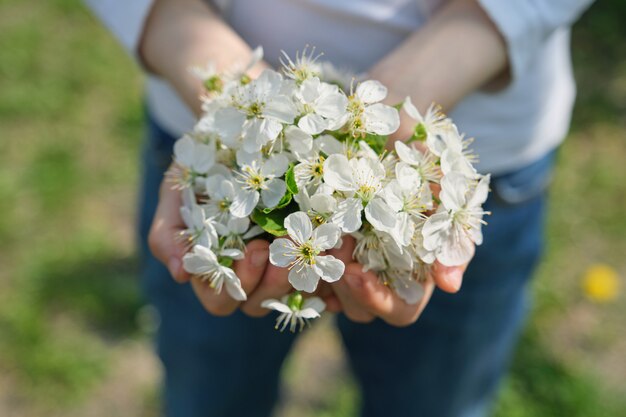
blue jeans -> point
(448, 363)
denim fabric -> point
(448, 363)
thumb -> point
(448, 278)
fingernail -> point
(258, 258)
(454, 277)
(354, 281)
(174, 266)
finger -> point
(250, 269)
(448, 278)
(351, 308)
(274, 284)
(382, 301)
(166, 226)
(326, 293)
(333, 304)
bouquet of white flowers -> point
(301, 156)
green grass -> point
(70, 127)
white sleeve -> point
(124, 18)
(526, 24)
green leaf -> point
(376, 142)
(272, 222)
(419, 134)
(224, 261)
(284, 202)
(290, 180)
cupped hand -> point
(363, 297)
(259, 279)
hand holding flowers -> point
(297, 156)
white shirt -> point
(513, 127)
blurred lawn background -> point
(74, 337)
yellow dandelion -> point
(601, 283)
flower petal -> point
(299, 139)
(329, 268)
(274, 192)
(275, 165)
(244, 202)
(331, 106)
(184, 151)
(233, 285)
(312, 124)
(411, 110)
(229, 124)
(299, 227)
(314, 303)
(381, 119)
(407, 153)
(380, 215)
(348, 215)
(274, 304)
(303, 279)
(204, 158)
(323, 203)
(479, 196)
(280, 108)
(308, 313)
(435, 229)
(282, 252)
(371, 91)
(454, 187)
(456, 248)
(407, 288)
(326, 236)
(195, 264)
(338, 173)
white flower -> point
(319, 206)
(221, 192)
(215, 82)
(340, 76)
(258, 178)
(200, 228)
(192, 159)
(362, 179)
(378, 251)
(321, 106)
(407, 193)
(202, 262)
(300, 142)
(304, 67)
(456, 227)
(302, 254)
(367, 115)
(309, 172)
(417, 244)
(294, 310)
(404, 284)
(239, 70)
(428, 126)
(424, 162)
(235, 231)
(456, 157)
(410, 198)
(257, 113)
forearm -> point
(458, 51)
(183, 33)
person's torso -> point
(512, 127)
